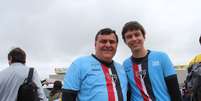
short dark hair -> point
(57, 87)
(132, 25)
(17, 55)
(106, 31)
(200, 39)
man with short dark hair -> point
(12, 77)
(97, 77)
(151, 75)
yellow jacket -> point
(196, 59)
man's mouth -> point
(106, 49)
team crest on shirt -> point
(140, 74)
(112, 76)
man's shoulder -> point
(4, 69)
(117, 64)
(4, 73)
(83, 59)
(127, 60)
(84, 62)
(156, 54)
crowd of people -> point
(146, 75)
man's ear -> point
(10, 60)
(125, 41)
(95, 44)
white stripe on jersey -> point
(113, 84)
(142, 81)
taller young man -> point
(151, 74)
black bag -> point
(193, 82)
(28, 90)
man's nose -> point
(133, 37)
(108, 43)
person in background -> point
(56, 92)
(197, 58)
(151, 74)
(193, 81)
(97, 77)
(12, 77)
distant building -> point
(59, 74)
(181, 66)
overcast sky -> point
(55, 32)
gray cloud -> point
(54, 33)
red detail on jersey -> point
(110, 90)
(138, 82)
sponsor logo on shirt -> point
(155, 63)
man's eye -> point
(129, 36)
(103, 41)
(136, 35)
(112, 42)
